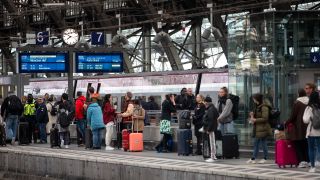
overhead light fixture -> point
(53, 4)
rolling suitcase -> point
(230, 146)
(135, 140)
(119, 134)
(23, 133)
(185, 142)
(206, 150)
(184, 123)
(3, 136)
(88, 139)
(54, 137)
(285, 154)
(125, 139)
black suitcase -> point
(88, 139)
(23, 133)
(184, 123)
(3, 136)
(206, 150)
(119, 135)
(185, 142)
(54, 137)
(230, 146)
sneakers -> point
(251, 161)
(201, 130)
(61, 143)
(109, 148)
(317, 164)
(66, 146)
(13, 141)
(262, 161)
(312, 170)
(210, 160)
(303, 164)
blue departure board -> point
(99, 62)
(43, 62)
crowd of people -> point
(96, 113)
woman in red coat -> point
(108, 119)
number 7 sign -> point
(97, 38)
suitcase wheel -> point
(125, 150)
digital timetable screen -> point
(43, 62)
(99, 62)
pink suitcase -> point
(285, 154)
(135, 141)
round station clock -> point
(70, 36)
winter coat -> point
(296, 118)
(199, 112)
(185, 102)
(5, 111)
(138, 122)
(210, 117)
(167, 109)
(52, 119)
(80, 112)
(95, 117)
(262, 128)
(109, 113)
(307, 120)
(226, 115)
(42, 114)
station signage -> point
(97, 38)
(42, 38)
(315, 57)
(98, 62)
(43, 62)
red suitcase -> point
(285, 154)
(125, 139)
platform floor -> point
(233, 167)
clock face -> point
(70, 36)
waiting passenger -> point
(261, 127)
(127, 111)
(309, 88)
(95, 121)
(298, 134)
(46, 98)
(180, 99)
(168, 107)
(63, 121)
(210, 125)
(52, 108)
(190, 102)
(138, 117)
(312, 134)
(80, 118)
(109, 114)
(42, 119)
(30, 117)
(198, 121)
(224, 106)
(151, 104)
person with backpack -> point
(297, 131)
(52, 108)
(64, 120)
(199, 112)
(311, 117)
(259, 118)
(210, 125)
(80, 118)
(30, 117)
(42, 119)
(11, 110)
(95, 121)
(109, 113)
(225, 106)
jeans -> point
(212, 140)
(314, 149)
(109, 132)
(81, 127)
(257, 142)
(226, 128)
(97, 137)
(43, 132)
(11, 126)
(65, 137)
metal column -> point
(198, 42)
(70, 76)
(147, 49)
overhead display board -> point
(43, 62)
(99, 62)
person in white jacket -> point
(313, 135)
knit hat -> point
(208, 99)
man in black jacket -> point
(42, 119)
(11, 110)
(210, 124)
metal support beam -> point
(55, 16)
(8, 60)
(21, 22)
(198, 45)
(147, 50)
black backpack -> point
(315, 118)
(14, 104)
(63, 118)
(235, 108)
(185, 114)
(54, 109)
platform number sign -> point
(42, 38)
(315, 57)
(97, 38)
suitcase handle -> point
(133, 119)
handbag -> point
(165, 127)
(290, 131)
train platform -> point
(43, 162)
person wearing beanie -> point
(210, 124)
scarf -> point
(222, 101)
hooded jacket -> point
(94, 116)
(80, 101)
(210, 122)
(108, 113)
(296, 118)
(307, 119)
(226, 115)
(262, 128)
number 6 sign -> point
(42, 38)
(97, 38)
